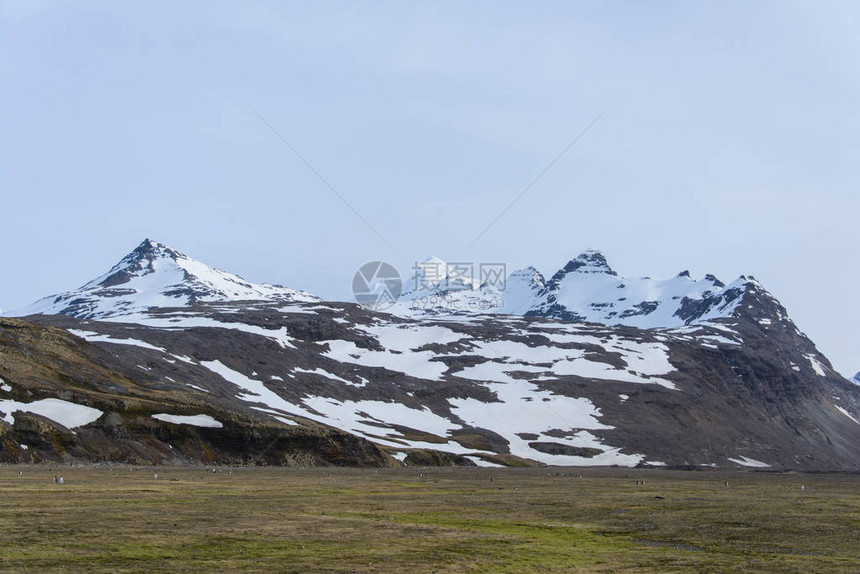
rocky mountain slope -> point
(733, 383)
(63, 399)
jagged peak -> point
(140, 261)
(149, 248)
(150, 243)
(713, 279)
(589, 261)
(856, 379)
(526, 272)
(529, 275)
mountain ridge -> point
(585, 289)
(734, 383)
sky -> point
(726, 141)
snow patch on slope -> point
(359, 417)
(203, 421)
(256, 392)
(183, 321)
(645, 362)
(414, 364)
(523, 408)
(816, 365)
(92, 337)
(749, 462)
(68, 414)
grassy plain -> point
(117, 519)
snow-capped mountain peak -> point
(714, 280)
(142, 261)
(155, 275)
(520, 290)
(589, 261)
(530, 276)
(586, 289)
(856, 379)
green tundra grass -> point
(122, 519)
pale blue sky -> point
(729, 145)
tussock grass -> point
(117, 519)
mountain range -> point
(586, 289)
(163, 359)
